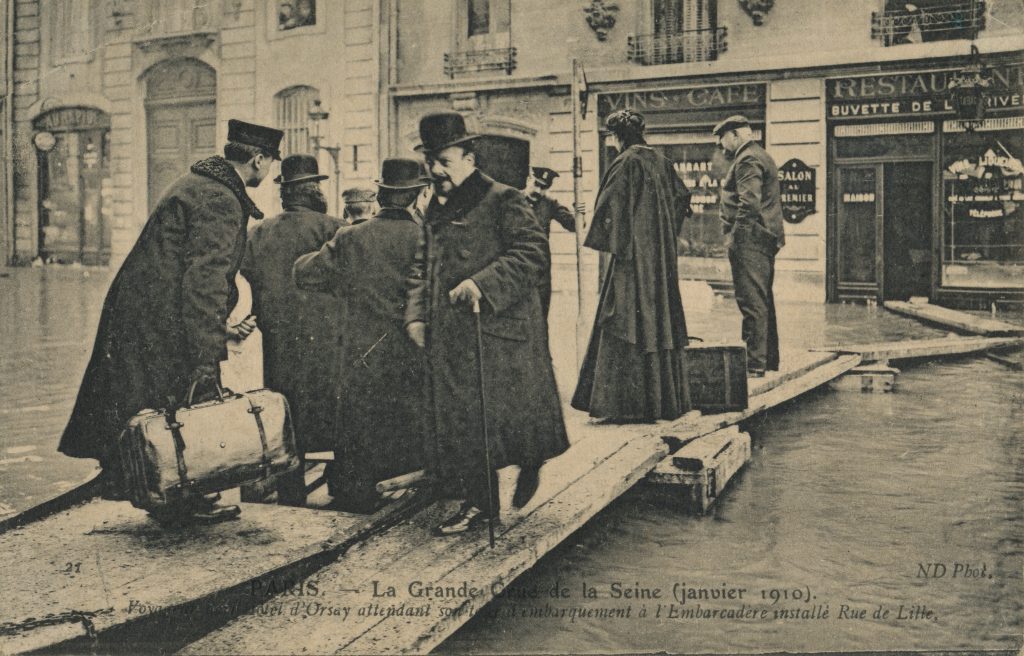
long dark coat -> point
(634, 367)
(166, 311)
(300, 329)
(547, 209)
(487, 233)
(382, 414)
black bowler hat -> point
(545, 177)
(441, 130)
(403, 173)
(268, 139)
(299, 168)
(731, 123)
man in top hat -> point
(300, 329)
(358, 204)
(635, 367)
(382, 416)
(546, 209)
(752, 221)
(482, 244)
(163, 324)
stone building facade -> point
(810, 75)
(112, 99)
(888, 195)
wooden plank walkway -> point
(954, 318)
(103, 565)
(604, 461)
(922, 348)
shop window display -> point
(983, 209)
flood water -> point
(848, 499)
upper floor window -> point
(675, 31)
(71, 30)
(483, 38)
(485, 23)
(291, 114)
(295, 13)
(922, 21)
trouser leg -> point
(475, 486)
(772, 342)
(751, 274)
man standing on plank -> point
(382, 414)
(754, 233)
(482, 245)
(164, 321)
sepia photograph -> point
(511, 327)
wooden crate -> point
(704, 466)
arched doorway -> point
(72, 148)
(181, 120)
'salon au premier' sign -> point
(798, 192)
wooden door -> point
(858, 223)
(181, 121)
(179, 135)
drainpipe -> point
(8, 146)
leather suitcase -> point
(208, 447)
(717, 377)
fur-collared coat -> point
(166, 311)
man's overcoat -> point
(300, 329)
(634, 366)
(166, 311)
(382, 416)
(487, 233)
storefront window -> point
(983, 209)
(700, 166)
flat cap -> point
(731, 123)
(359, 195)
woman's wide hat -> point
(299, 168)
(441, 130)
(403, 173)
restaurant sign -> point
(798, 193)
(916, 94)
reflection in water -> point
(846, 495)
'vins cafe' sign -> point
(916, 94)
(797, 187)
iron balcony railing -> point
(476, 61)
(955, 19)
(677, 47)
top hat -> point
(731, 123)
(358, 195)
(441, 130)
(544, 176)
(403, 173)
(299, 168)
(268, 139)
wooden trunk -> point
(718, 377)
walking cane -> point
(483, 419)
